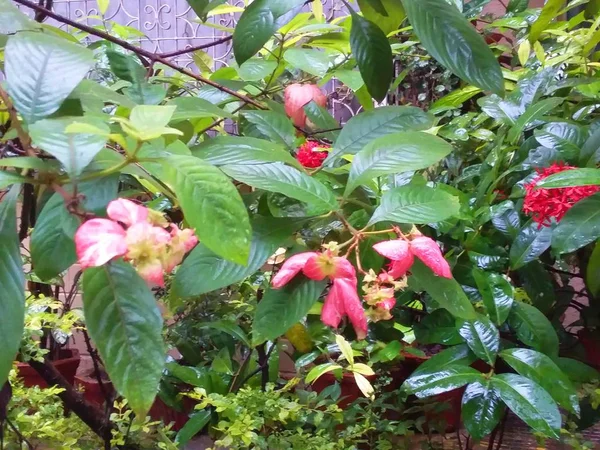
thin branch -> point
(153, 57)
(562, 272)
(197, 47)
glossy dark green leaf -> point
(446, 292)
(579, 227)
(481, 409)
(426, 384)
(229, 327)
(531, 242)
(460, 48)
(549, 13)
(541, 369)
(592, 274)
(534, 112)
(321, 119)
(396, 153)
(482, 336)
(564, 137)
(575, 177)
(277, 177)
(52, 245)
(455, 355)
(533, 328)
(274, 126)
(516, 6)
(75, 151)
(590, 151)
(373, 54)
(577, 371)
(537, 281)
(497, 293)
(125, 323)
(279, 309)
(268, 235)
(212, 205)
(386, 14)
(193, 426)
(41, 71)
(529, 401)
(438, 327)
(416, 204)
(125, 67)
(257, 24)
(242, 150)
(366, 126)
(12, 284)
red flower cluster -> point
(310, 154)
(544, 204)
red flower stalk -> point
(544, 204)
(310, 154)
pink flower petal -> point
(343, 268)
(387, 304)
(98, 241)
(127, 212)
(152, 272)
(333, 307)
(396, 249)
(427, 250)
(315, 267)
(151, 238)
(346, 288)
(399, 268)
(290, 268)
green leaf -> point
(415, 204)
(255, 69)
(482, 336)
(212, 205)
(126, 67)
(529, 401)
(231, 328)
(242, 150)
(481, 409)
(497, 293)
(12, 284)
(74, 150)
(279, 309)
(577, 371)
(534, 112)
(124, 321)
(446, 292)
(259, 21)
(13, 20)
(592, 274)
(388, 16)
(319, 370)
(455, 98)
(426, 384)
(533, 328)
(395, 153)
(453, 41)
(549, 13)
(438, 327)
(458, 354)
(321, 119)
(590, 151)
(150, 121)
(309, 60)
(52, 245)
(90, 92)
(8, 178)
(366, 126)
(537, 281)
(541, 369)
(277, 177)
(575, 177)
(517, 6)
(530, 243)
(41, 71)
(268, 235)
(579, 227)
(193, 426)
(276, 127)
(190, 108)
(373, 54)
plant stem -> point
(195, 48)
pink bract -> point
(98, 241)
(427, 250)
(291, 267)
(126, 212)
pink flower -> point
(296, 96)
(342, 299)
(131, 232)
(402, 253)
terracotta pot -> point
(161, 411)
(67, 366)
(92, 391)
(591, 344)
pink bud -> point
(291, 267)
(296, 96)
(127, 212)
(427, 250)
(398, 250)
(98, 241)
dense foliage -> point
(418, 251)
